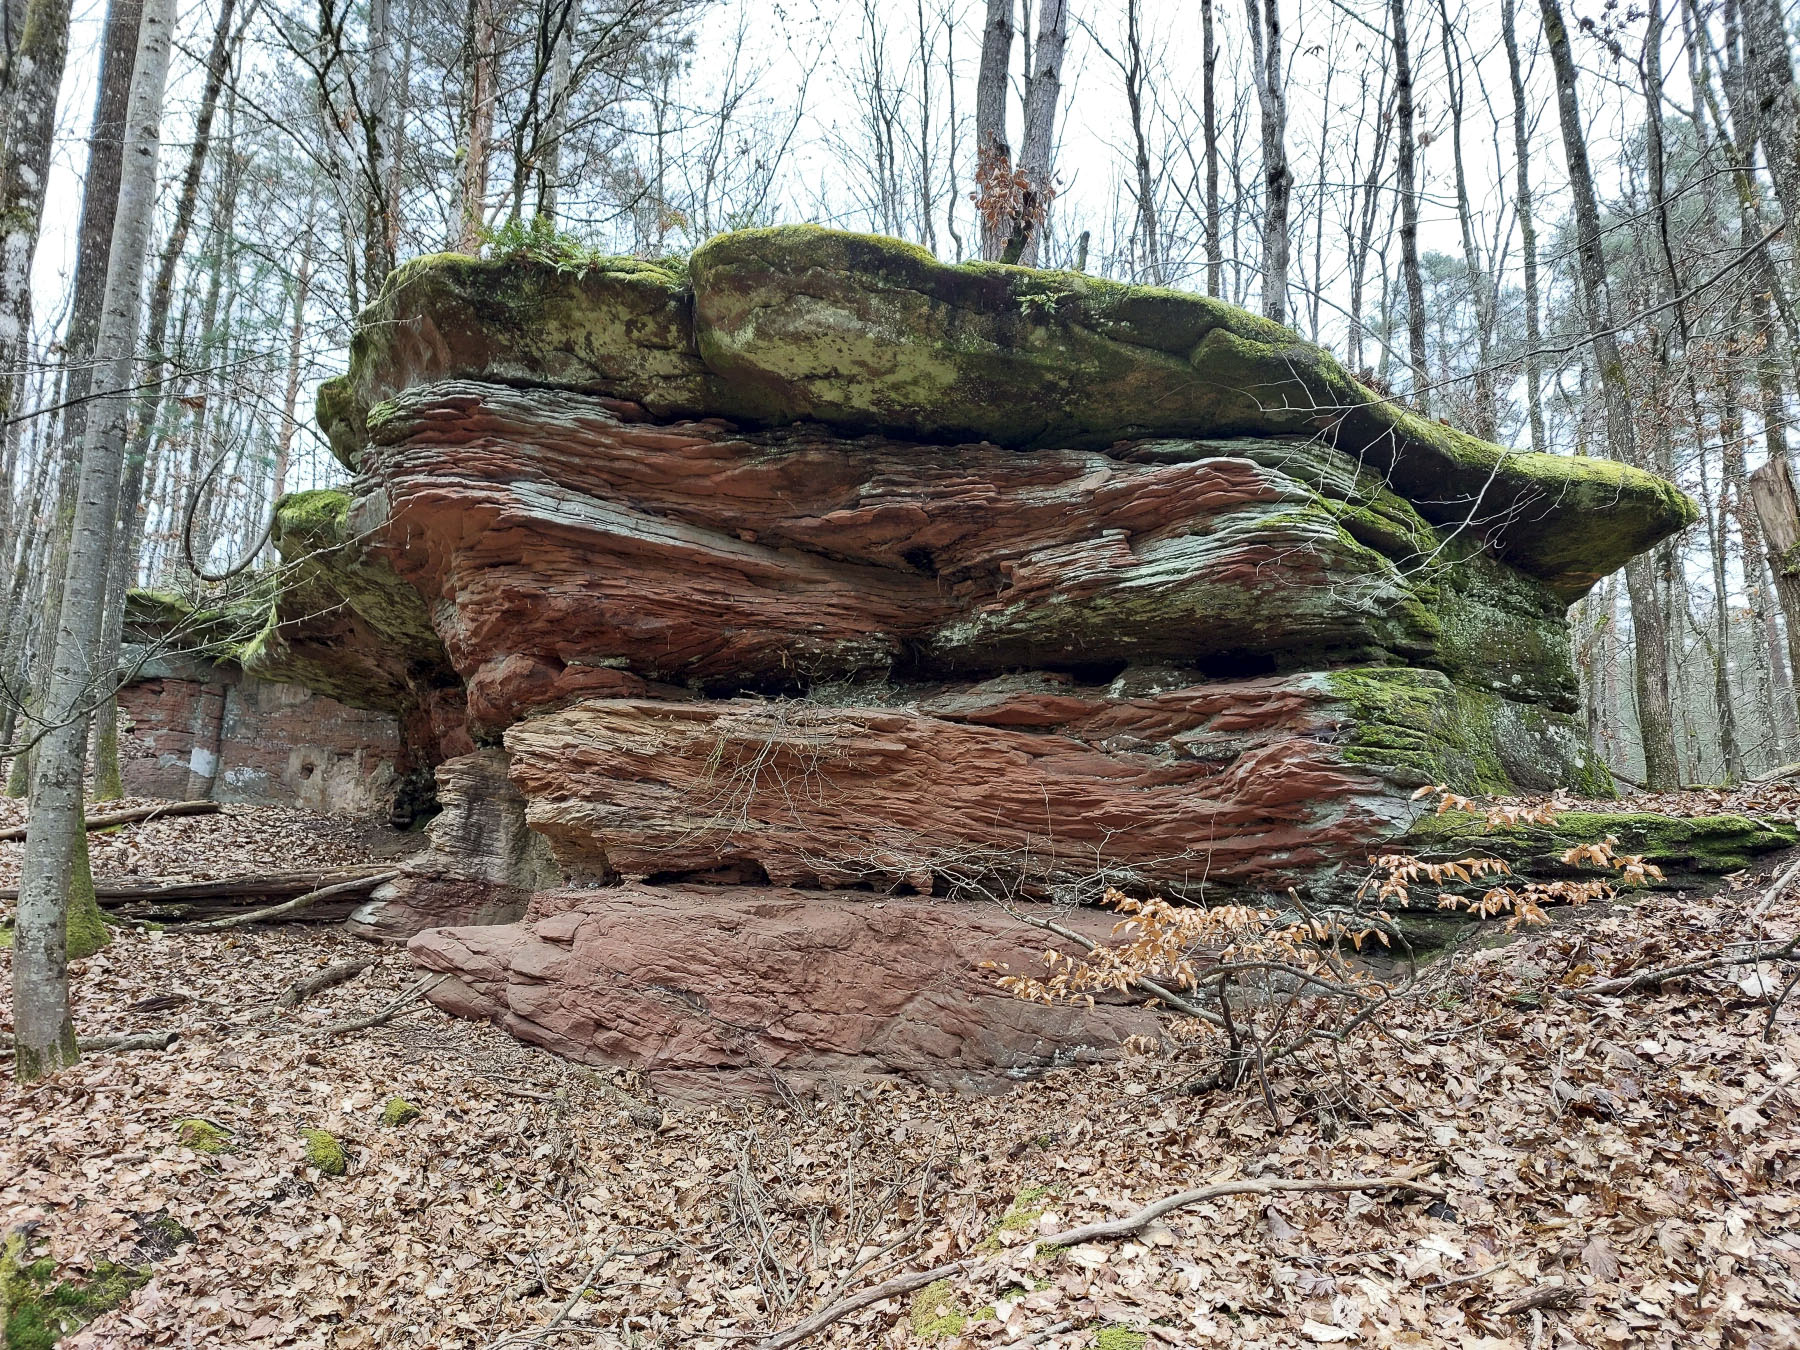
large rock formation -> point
(816, 563)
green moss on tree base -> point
(87, 928)
(324, 1153)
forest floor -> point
(1614, 1170)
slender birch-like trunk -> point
(44, 1035)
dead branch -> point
(126, 817)
(389, 1013)
(1625, 984)
(330, 977)
(290, 907)
(116, 893)
(1150, 987)
(1108, 1228)
(519, 1339)
(143, 1040)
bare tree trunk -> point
(1038, 144)
(1534, 402)
(479, 59)
(44, 1030)
(1649, 623)
(1406, 140)
(994, 154)
(557, 120)
(1209, 114)
(1135, 80)
(35, 74)
(1265, 51)
(1481, 290)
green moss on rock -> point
(1418, 726)
(324, 1153)
(1687, 848)
(344, 623)
(397, 1111)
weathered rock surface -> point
(860, 333)
(569, 551)
(193, 723)
(1229, 784)
(815, 564)
(482, 866)
(707, 988)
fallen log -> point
(288, 908)
(227, 893)
(330, 977)
(110, 818)
(143, 1040)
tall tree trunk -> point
(35, 73)
(1534, 401)
(1774, 98)
(1209, 117)
(1037, 145)
(556, 122)
(1265, 52)
(478, 58)
(1481, 290)
(44, 1032)
(1407, 141)
(1656, 721)
(993, 152)
(1135, 81)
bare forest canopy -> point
(1556, 226)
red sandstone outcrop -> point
(1230, 783)
(707, 988)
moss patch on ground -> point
(1115, 1337)
(324, 1153)
(37, 1309)
(397, 1111)
(935, 1314)
(203, 1136)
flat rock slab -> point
(708, 988)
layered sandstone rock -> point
(814, 571)
(708, 988)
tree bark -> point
(1265, 51)
(1209, 118)
(1534, 401)
(1481, 291)
(1778, 511)
(478, 62)
(1407, 142)
(1656, 720)
(1038, 144)
(45, 1031)
(994, 154)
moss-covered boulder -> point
(863, 333)
(607, 326)
(344, 624)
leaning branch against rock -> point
(329, 978)
(1108, 1228)
(126, 817)
(1625, 984)
(289, 908)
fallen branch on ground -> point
(1107, 1228)
(288, 907)
(330, 977)
(1625, 984)
(389, 1013)
(142, 1040)
(111, 818)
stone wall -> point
(195, 729)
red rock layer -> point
(576, 551)
(708, 988)
(1230, 782)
